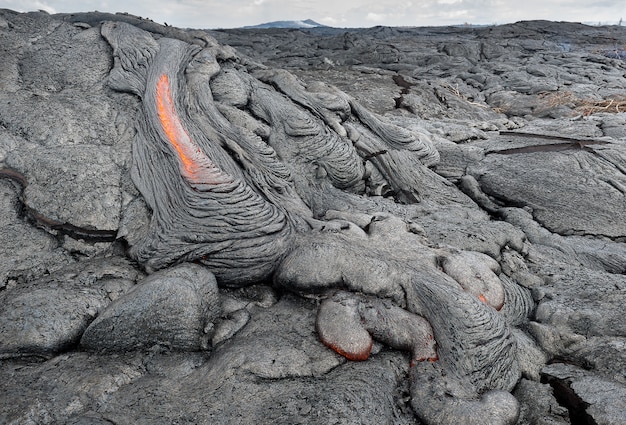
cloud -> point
(332, 21)
(458, 14)
(376, 17)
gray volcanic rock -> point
(539, 405)
(596, 399)
(456, 191)
(27, 252)
(77, 184)
(526, 69)
(174, 308)
(49, 315)
(280, 369)
(69, 385)
(511, 175)
(73, 169)
(278, 366)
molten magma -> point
(195, 166)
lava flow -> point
(196, 167)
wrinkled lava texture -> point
(403, 226)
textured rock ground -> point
(528, 121)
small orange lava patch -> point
(430, 359)
(354, 356)
(196, 166)
(482, 298)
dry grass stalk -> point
(585, 106)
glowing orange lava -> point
(196, 166)
(358, 356)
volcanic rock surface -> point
(203, 226)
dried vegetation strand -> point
(584, 106)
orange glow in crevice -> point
(196, 166)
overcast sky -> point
(340, 13)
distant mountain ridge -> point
(307, 23)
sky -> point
(209, 14)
